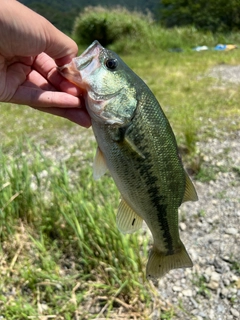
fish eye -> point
(111, 63)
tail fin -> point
(159, 263)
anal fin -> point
(128, 221)
(190, 191)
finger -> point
(39, 98)
(28, 61)
(79, 116)
(12, 78)
(36, 80)
(47, 67)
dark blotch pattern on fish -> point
(158, 201)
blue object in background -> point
(220, 47)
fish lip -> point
(72, 71)
(91, 48)
(88, 55)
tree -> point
(214, 15)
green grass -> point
(57, 233)
(180, 83)
(61, 253)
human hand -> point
(30, 49)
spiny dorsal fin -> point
(128, 221)
(190, 192)
(99, 165)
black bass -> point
(137, 145)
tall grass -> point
(66, 217)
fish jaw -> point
(78, 70)
(103, 101)
(70, 72)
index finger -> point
(46, 66)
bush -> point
(117, 28)
(130, 32)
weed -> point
(206, 174)
(237, 170)
(221, 194)
(200, 282)
(235, 265)
(64, 221)
(202, 213)
(167, 315)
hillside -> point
(62, 13)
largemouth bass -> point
(137, 145)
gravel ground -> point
(210, 231)
(226, 73)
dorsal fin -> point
(190, 192)
(128, 221)
(99, 165)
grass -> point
(67, 238)
(200, 282)
(61, 253)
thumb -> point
(59, 46)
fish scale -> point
(153, 170)
(137, 145)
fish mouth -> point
(70, 72)
(84, 64)
(92, 48)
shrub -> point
(117, 28)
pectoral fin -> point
(190, 192)
(99, 165)
(122, 135)
(133, 146)
(128, 221)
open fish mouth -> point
(92, 48)
(70, 72)
(83, 65)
